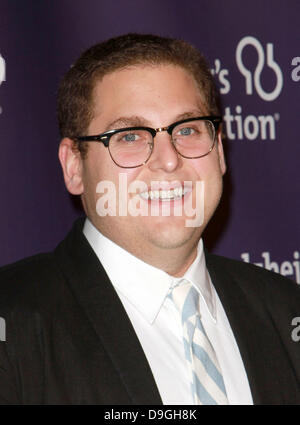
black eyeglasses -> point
(131, 147)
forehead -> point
(140, 87)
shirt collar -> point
(143, 285)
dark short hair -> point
(75, 96)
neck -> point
(174, 261)
(169, 249)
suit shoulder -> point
(258, 278)
(27, 280)
(32, 267)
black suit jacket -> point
(69, 340)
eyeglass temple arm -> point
(103, 139)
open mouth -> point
(165, 195)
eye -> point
(129, 137)
(185, 131)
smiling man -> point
(149, 95)
(129, 308)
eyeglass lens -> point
(132, 148)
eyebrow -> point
(137, 121)
(133, 121)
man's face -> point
(153, 96)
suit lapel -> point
(101, 304)
(264, 358)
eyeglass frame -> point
(106, 136)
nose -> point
(164, 156)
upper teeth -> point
(178, 192)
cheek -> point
(126, 179)
(103, 176)
(208, 171)
(206, 168)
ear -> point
(221, 154)
(71, 163)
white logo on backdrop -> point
(222, 75)
(2, 329)
(296, 71)
(289, 268)
(238, 125)
(255, 78)
(2, 70)
(2, 73)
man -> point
(99, 320)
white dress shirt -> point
(143, 291)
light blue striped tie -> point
(206, 378)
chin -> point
(173, 236)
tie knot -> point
(186, 299)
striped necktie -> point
(206, 379)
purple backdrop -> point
(253, 50)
